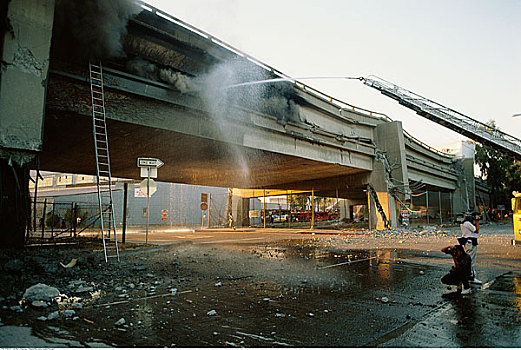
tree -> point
(514, 177)
(298, 201)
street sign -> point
(405, 217)
(149, 163)
(138, 193)
(148, 168)
(204, 197)
(149, 172)
(164, 215)
(254, 213)
(204, 206)
(152, 187)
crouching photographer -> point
(460, 273)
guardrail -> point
(338, 103)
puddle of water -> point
(287, 299)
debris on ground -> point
(41, 292)
(274, 288)
(71, 264)
(69, 313)
(53, 315)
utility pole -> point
(439, 202)
(264, 200)
(427, 201)
(125, 196)
(209, 208)
(312, 209)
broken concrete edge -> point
(18, 157)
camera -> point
(449, 250)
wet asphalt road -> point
(298, 293)
(386, 298)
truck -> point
(516, 209)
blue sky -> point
(463, 54)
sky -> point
(464, 54)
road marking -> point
(194, 237)
(233, 240)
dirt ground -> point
(298, 289)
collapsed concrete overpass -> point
(179, 94)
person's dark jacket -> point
(461, 271)
(463, 266)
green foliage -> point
(52, 220)
(298, 201)
(69, 216)
(514, 177)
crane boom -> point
(456, 121)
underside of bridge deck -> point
(68, 147)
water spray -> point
(293, 80)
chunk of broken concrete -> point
(16, 308)
(120, 322)
(53, 315)
(211, 313)
(41, 292)
(85, 289)
(69, 313)
(40, 304)
(77, 306)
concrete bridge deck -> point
(179, 94)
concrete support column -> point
(389, 173)
(25, 40)
(345, 209)
(15, 203)
(240, 211)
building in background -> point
(172, 204)
(460, 149)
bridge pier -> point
(240, 211)
(25, 40)
(389, 177)
(14, 203)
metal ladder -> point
(374, 195)
(101, 147)
(448, 117)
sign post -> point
(148, 204)
(204, 207)
(148, 168)
(209, 208)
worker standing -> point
(469, 240)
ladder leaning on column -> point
(101, 148)
(374, 195)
